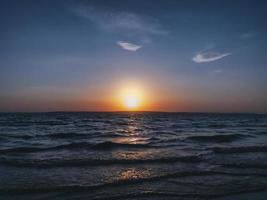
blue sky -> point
(192, 55)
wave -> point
(217, 138)
(20, 136)
(133, 194)
(246, 165)
(62, 135)
(28, 149)
(94, 162)
(49, 123)
(242, 149)
(261, 133)
(115, 182)
(31, 123)
(108, 145)
(217, 126)
(112, 145)
(66, 135)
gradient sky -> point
(200, 56)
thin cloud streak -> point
(128, 46)
(218, 71)
(248, 35)
(208, 57)
(120, 21)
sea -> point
(133, 155)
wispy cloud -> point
(218, 71)
(248, 35)
(203, 57)
(120, 21)
(128, 46)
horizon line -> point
(137, 111)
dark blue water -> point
(132, 155)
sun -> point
(130, 97)
(131, 102)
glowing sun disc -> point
(131, 102)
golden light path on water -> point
(131, 136)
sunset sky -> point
(193, 56)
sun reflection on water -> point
(131, 133)
(133, 174)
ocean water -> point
(132, 155)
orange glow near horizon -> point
(124, 95)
